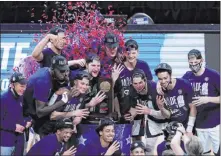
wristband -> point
(53, 99)
(190, 124)
(64, 97)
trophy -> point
(105, 107)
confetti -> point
(85, 28)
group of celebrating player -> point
(64, 93)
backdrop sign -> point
(154, 48)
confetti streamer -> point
(85, 28)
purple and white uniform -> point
(208, 115)
(208, 84)
(49, 145)
(178, 100)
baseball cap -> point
(196, 53)
(163, 66)
(137, 144)
(131, 44)
(138, 73)
(111, 40)
(80, 75)
(18, 77)
(104, 122)
(59, 62)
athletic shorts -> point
(154, 129)
(209, 137)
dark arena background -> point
(164, 31)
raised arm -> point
(82, 113)
(37, 52)
(42, 108)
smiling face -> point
(139, 84)
(164, 78)
(94, 68)
(19, 88)
(82, 85)
(132, 55)
(107, 134)
(65, 134)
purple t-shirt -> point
(39, 88)
(49, 145)
(98, 150)
(208, 84)
(73, 104)
(178, 100)
(123, 83)
(41, 84)
(48, 53)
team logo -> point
(105, 86)
(206, 79)
(180, 91)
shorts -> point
(138, 128)
(7, 150)
(154, 129)
(208, 137)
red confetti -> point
(85, 29)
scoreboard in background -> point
(154, 48)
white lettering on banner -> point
(6, 46)
(4, 84)
(19, 55)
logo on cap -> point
(110, 40)
(21, 77)
(61, 62)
